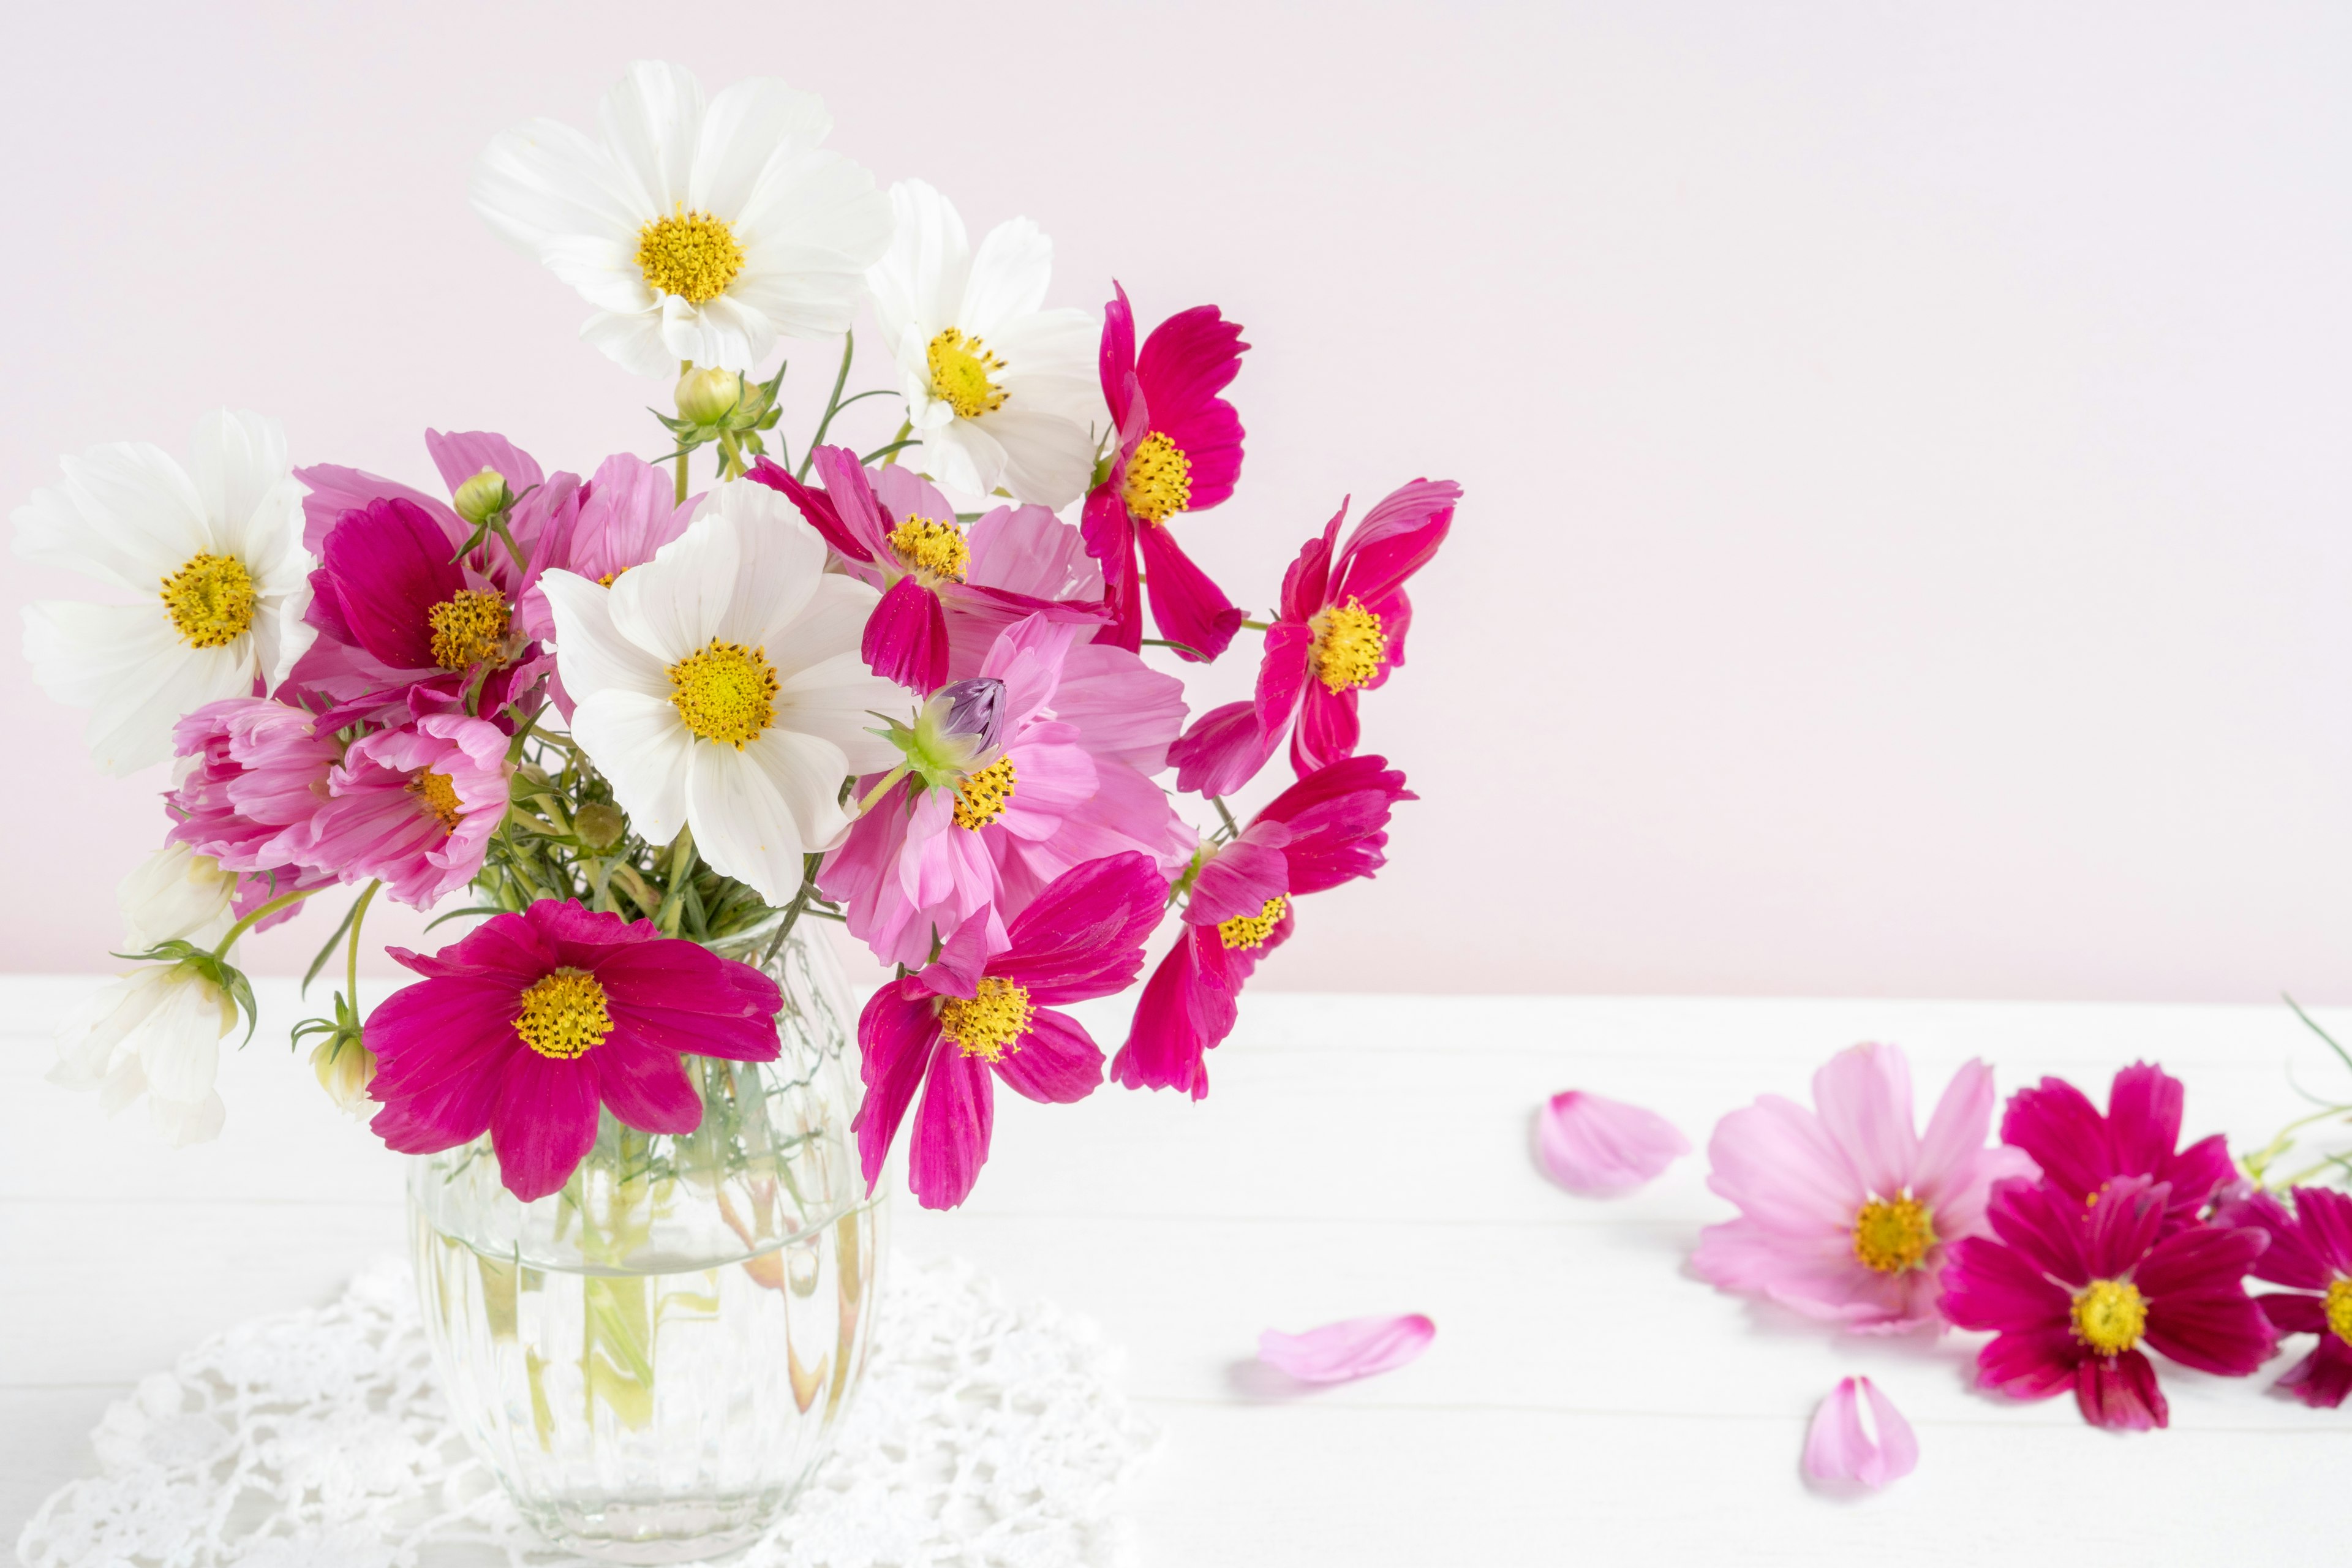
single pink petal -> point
(1862, 1096)
(906, 638)
(1336, 1353)
(1223, 751)
(1841, 1449)
(1600, 1147)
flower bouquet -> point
(650, 738)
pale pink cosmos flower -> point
(1847, 1212)
(1601, 1147)
(415, 806)
(1839, 1449)
(1342, 1352)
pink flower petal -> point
(1602, 1147)
(1840, 1450)
(1336, 1353)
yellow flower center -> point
(961, 372)
(936, 547)
(440, 796)
(2339, 1310)
(211, 600)
(1893, 1237)
(727, 692)
(1349, 646)
(563, 1014)
(979, 799)
(991, 1024)
(1158, 479)
(605, 579)
(469, 627)
(689, 254)
(1251, 930)
(2110, 1315)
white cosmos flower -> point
(698, 230)
(175, 893)
(720, 687)
(214, 554)
(156, 1031)
(1000, 390)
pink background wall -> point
(1907, 455)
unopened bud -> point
(345, 1068)
(973, 709)
(599, 824)
(483, 497)
(708, 396)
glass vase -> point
(654, 1359)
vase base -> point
(659, 1530)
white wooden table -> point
(1585, 1400)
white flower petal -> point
(1047, 459)
(675, 604)
(830, 620)
(590, 652)
(836, 700)
(650, 121)
(780, 560)
(131, 668)
(179, 1042)
(174, 893)
(742, 807)
(1007, 280)
(545, 179)
(722, 334)
(633, 341)
(604, 270)
(644, 751)
(126, 513)
(920, 281)
(751, 128)
(238, 465)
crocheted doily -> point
(987, 1436)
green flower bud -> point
(344, 1067)
(708, 396)
(599, 824)
(483, 497)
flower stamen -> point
(211, 600)
(933, 548)
(725, 692)
(1893, 1237)
(989, 1025)
(981, 797)
(439, 793)
(468, 628)
(1251, 930)
(563, 1014)
(2110, 1315)
(2339, 1310)
(962, 374)
(1349, 646)
(1158, 479)
(689, 254)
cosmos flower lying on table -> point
(909, 689)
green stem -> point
(832, 405)
(1257, 625)
(684, 367)
(681, 866)
(897, 442)
(1231, 825)
(351, 954)
(263, 913)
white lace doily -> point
(987, 1436)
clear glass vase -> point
(654, 1359)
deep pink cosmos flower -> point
(2080, 1151)
(949, 1027)
(2311, 1250)
(1180, 450)
(527, 1025)
(1846, 1211)
(1328, 829)
(258, 777)
(541, 504)
(415, 806)
(946, 591)
(1041, 761)
(1341, 630)
(2071, 1292)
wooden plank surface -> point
(1359, 1155)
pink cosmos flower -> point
(947, 1028)
(1602, 1147)
(532, 1022)
(1838, 1451)
(626, 513)
(2311, 1250)
(1329, 827)
(1180, 450)
(256, 778)
(1348, 1350)
(1040, 762)
(1846, 1211)
(2071, 1292)
(415, 806)
(2080, 1151)
(541, 504)
(947, 591)
(1341, 629)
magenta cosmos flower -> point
(2071, 1292)
(1341, 630)
(1041, 761)
(1328, 829)
(1180, 450)
(947, 591)
(2080, 1151)
(540, 504)
(414, 806)
(951, 1027)
(257, 777)
(534, 1021)
(1846, 1211)
(2310, 1250)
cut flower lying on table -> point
(908, 688)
